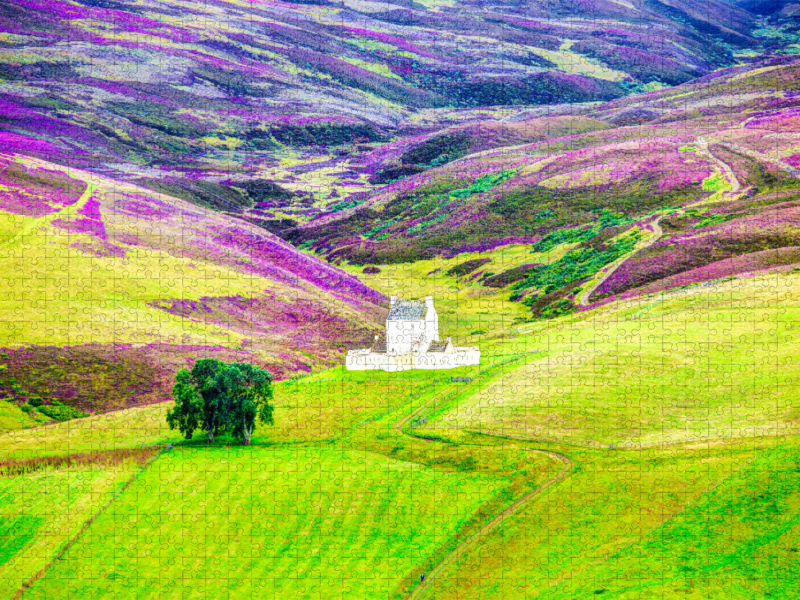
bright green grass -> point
(316, 408)
(282, 522)
(699, 521)
(464, 305)
(13, 417)
(42, 511)
(695, 388)
(702, 363)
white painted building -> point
(412, 342)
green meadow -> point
(678, 412)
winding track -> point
(499, 519)
(736, 188)
(583, 299)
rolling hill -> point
(645, 193)
(604, 195)
(109, 288)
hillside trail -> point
(759, 156)
(518, 505)
(45, 220)
(731, 194)
(726, 169)
(608, 271)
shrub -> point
(467, 267)
(371, 270)
(35, 401)
(558, 309)
(484, 184)
(61, 412)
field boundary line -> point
(497, 520)
(20, 593)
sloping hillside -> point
(110, 288)
(183, 82)
(668, 188)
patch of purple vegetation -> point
(86, 226)
(100, 249)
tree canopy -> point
(217, 398)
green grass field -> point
(40, 512)
(284, 522)
(698, 498)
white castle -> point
(412, 342)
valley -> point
(604, 197)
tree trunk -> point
(210, 427)
(247, 432)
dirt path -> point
(608, 271)
(45, 220)
(729, 174)
(793, 171)
(487, 529)
(498, 520)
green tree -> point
(216, 397)
(249, 390)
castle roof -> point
(407, 310)
(437, 347)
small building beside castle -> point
(412, 342)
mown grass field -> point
(698, 497)
(707, 362)
(41, 511)
(307, 522)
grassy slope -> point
(158, 274)
(612, 381)
(41, 511)
(694, 507)
(299, 522)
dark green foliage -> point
(327, 134)
(61, 412)
(35, 401)
(558, 309)
(249, 390)
(450, 145)
(15, 532)
(575, 265)
(563, 236)
(467, 267)
(261, 190)
(273, 225)
(344, 205)
(484, 184)
(395, 173)
(157, 116)
(510, 276)
(219, 398)
(371, 270)
(608, 219)
(203, 193)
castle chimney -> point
(429, 300)
(392, 300)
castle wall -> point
(361, 360)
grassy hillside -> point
(110, 288)
(683, 477)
